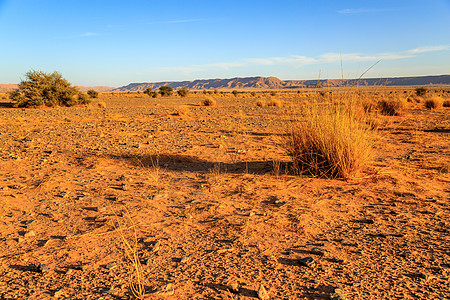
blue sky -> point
(114, 43)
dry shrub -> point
(260, 103)
(209, 102)
(274, 102)
(181, 111)
(394, 106)
(446, 103)
(329, 141)
(433, 102)
(102, 104)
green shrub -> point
(48, 89)
(183, 92)
(92, 94)
(148, 91)
(165, 90)
(235, 93)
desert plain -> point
(170, 199)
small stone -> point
(251, 214)
(100, 219)
(198, 193)
(30, 234)
(164, 290)
(80, 267)
(184, 259)
(234, 287)
(59, 293)
(337, 296)
(160, 197)
(112, 292)
(318, 251)
(156, 246)
(189, 216)
(307, 261)
(110, 265)
(43, 268)
(262, 293)
(221, 251)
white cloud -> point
(299, 60)
(428, 49)
(354, 11)
(87, 34)
(176, 21)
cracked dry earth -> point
(205, 200)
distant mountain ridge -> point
(275, 83)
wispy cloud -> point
(354, 11)
(88, 34)
(298, 61)
(176, 21)
(428, 49)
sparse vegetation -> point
(421, 91)
(393, 106)
(166, 90)
(92, 93)
(434, 102)
(183, 92)
(274, 102)
(446, 103)
(260, 103)
(209, 102)
(46, 89)
(329, 142)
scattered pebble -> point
(160, 197)
(184, 259)
(307, 261)
(156, 246)
(234, 287)
(318, 251)
(262, 293)
(164, 290)
(43, 268)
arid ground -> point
(205, 200)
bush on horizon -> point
(165, 90)
(46, 89)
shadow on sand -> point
(194, 164)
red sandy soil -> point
(213, 187)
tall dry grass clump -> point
(393, 106)
(209, 102)
(434, 102)
(274, 103)
(329, 141)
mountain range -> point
(275, 83)
(265, 83)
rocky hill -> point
(275, 83)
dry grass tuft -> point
(394, 106)
(102, 104)
(434, 102)
(274, 102)
(446, 103)
(329, 141)
(209, 102)
(260, 103)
